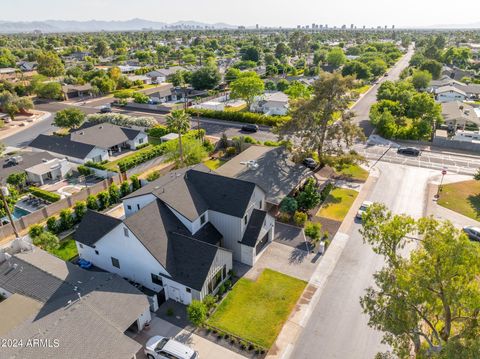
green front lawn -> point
(337, 204)
(214, 164)
(354, 172)
(462, 197)
(67, 250)
(256, 311)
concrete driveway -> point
(205, 348)
(290, 235)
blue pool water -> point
(19, 213)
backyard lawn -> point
(354, 172)
(462, 197)
(214, 164)
(337, 204)
(67, 250)
(256, 311)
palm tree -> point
(179, 121)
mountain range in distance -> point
(100, 25)
(53, 26)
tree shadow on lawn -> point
(475, 204)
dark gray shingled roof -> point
(194, 190)
(91, 325)
(94, 226)
(62, 145)
(103, 135)
(254, 227)
(186, 258)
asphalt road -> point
(337, 328)
(362, 107)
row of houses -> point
(447, 89)
(183, 232)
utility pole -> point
(4, 193)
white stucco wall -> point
(450, 96)
(136, 262)
(97, 152)
(136, 141)
(134, 204)
(145, 317)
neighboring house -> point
(128, 69)
(27, 66)
(77, 313)
(77, 56)
(161, 94)
(458, 115)
(456, 73)
(21, 161)
(472, 91)
(450, 93)
(160, 75)
(8, 73)
(72, 91)
(270, 168)
(91, 143)
(49, 171)
(467, 136)
(142, 78)
(271, 103)
(181, 233)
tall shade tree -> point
(69, 118)
(427, 303)
(246, 87)
(322, 124)
(49, 64)
(179, 121)
(336, 57)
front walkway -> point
(205, 348)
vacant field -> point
(462, 197)
(337, 204)
(256, 311)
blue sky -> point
(250, 12)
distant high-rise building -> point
(298, 26)
(385, 27)
(352, 26)
(344, 27)
(393, 27)
(364, 27)
(256, 26)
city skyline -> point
(248, 13)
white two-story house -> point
(181, 233)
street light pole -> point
(5, 192)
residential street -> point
(362, 107)
(337, 328)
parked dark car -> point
(106, 109)
(473, 233)
(250, 128)
(409, 151)
(310, 163)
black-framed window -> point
(138, 206)
(129, 207)
(80, 245)
(125, 232)
(188, 290)
(245, 219)
(115, 262)
(96, 252)
(202, 219)
(156, 279)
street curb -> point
(42, 117)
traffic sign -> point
(444, 172)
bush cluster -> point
(47, 196)
(122, 120)
(246, 117)
(158, 131)
(141, 157)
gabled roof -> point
(104, 135)
(276, 174)
(87, 311)
(62, 145)
(450, 88)
(194, 190)
(93, 227)
(186, 258)
(250, 237)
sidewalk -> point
(11, 130)
(300, 315)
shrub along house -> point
(181, 233)
(94, 143)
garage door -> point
(261, 244)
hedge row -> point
(47, 196)
(141, 157)
(247, 117)
(97, 165)
(158, 131)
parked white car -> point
(159, 347)
(362, 209)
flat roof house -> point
(181, 233)
(76, 313)
(72, 91)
